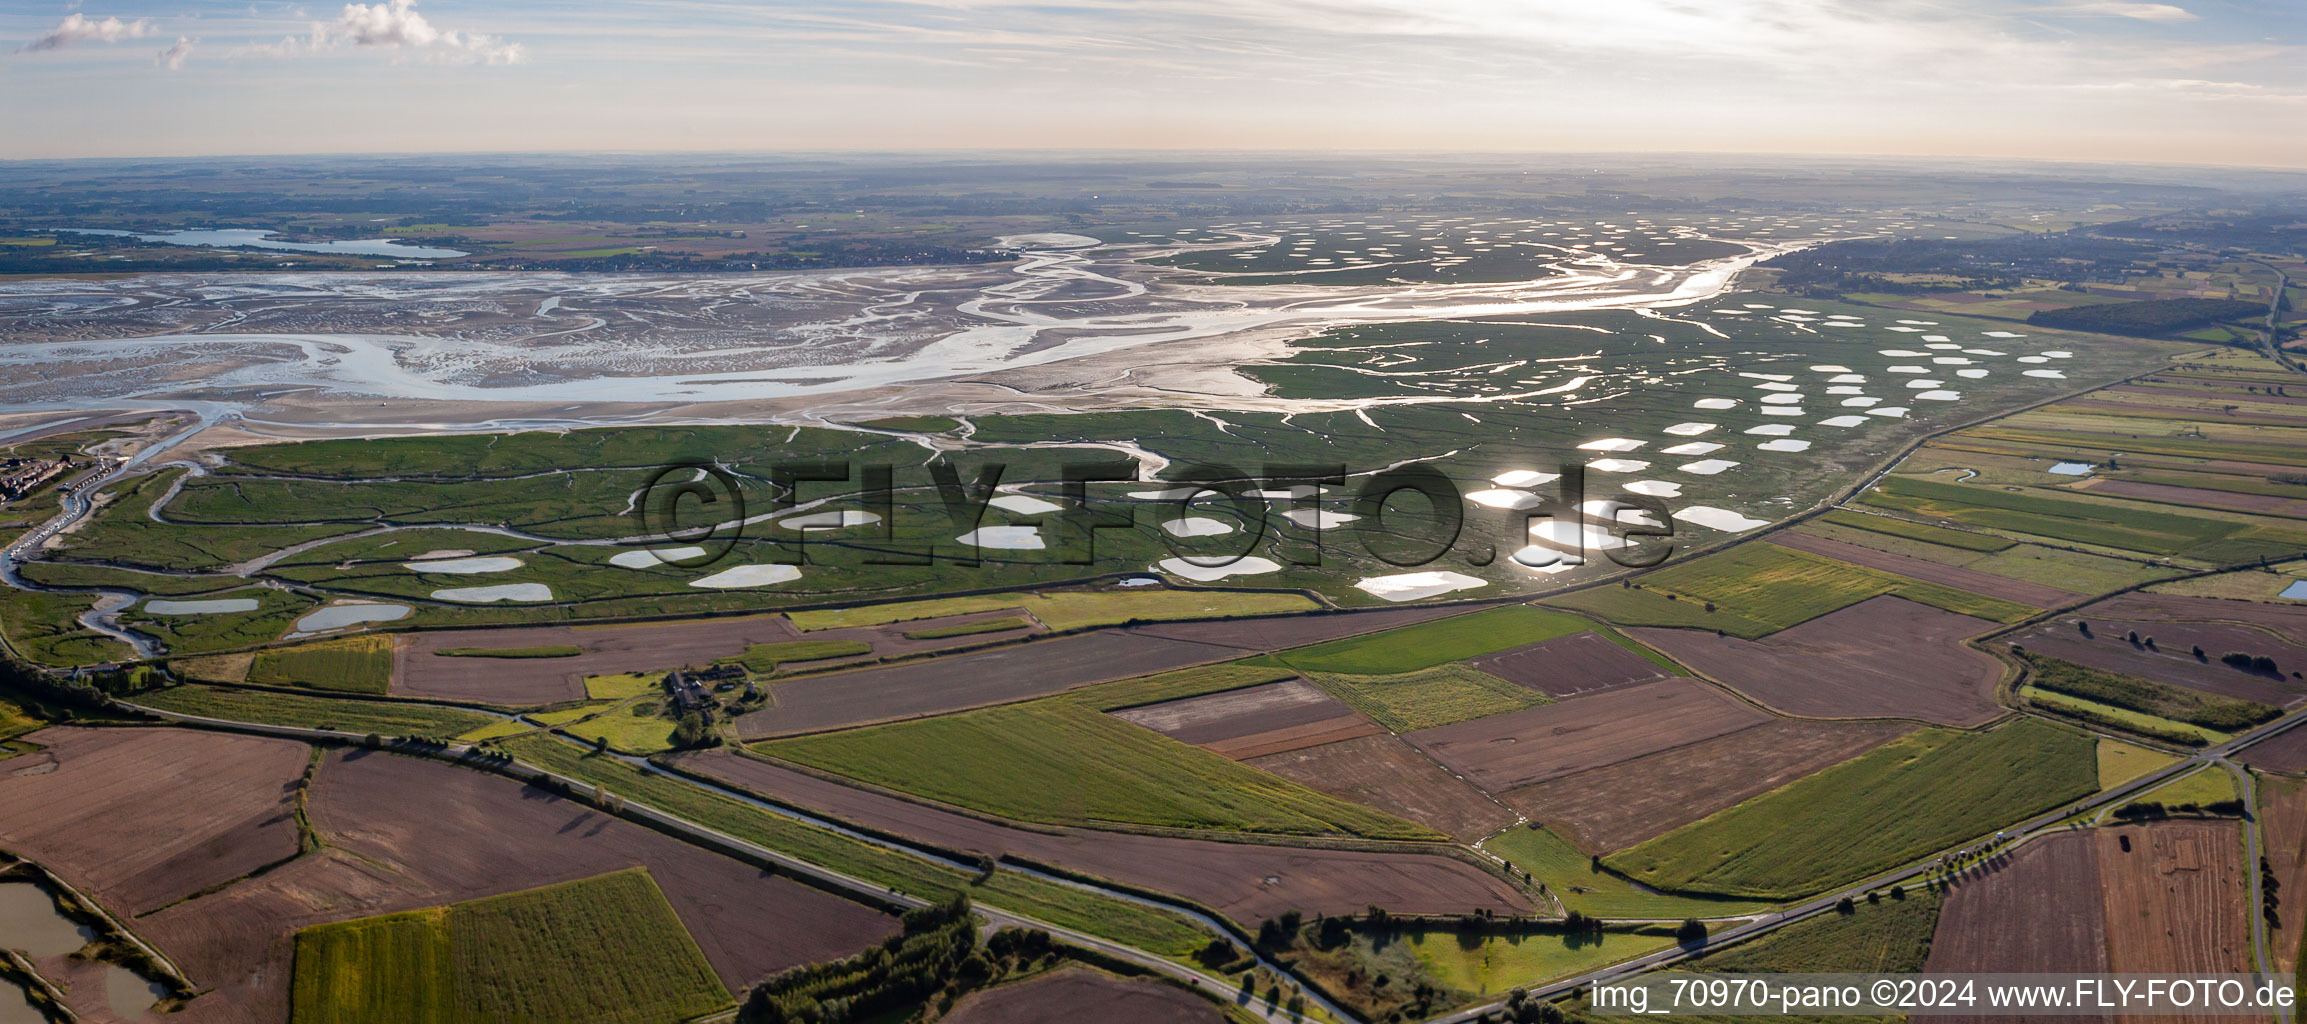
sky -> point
(2191, 81)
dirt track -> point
(1518, 748)
(1883, 657)
(1246, 882)
(1008, 673)
(142, 817)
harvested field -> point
(1224, 719)
(2176, 898)
(2172, 660)
(1885, 656)
(2034, 594)
(1276, 633)
(2198, 497)
(1502, 752)
(1247, 882)
(2036, 910)
(1617, 806)
(140, 818)
(1574, 664)
(2288, 619)
(404, 833)
(1386, 773)
(1076, 994)
(1000, 675)
(1296, 737)
(2286, 751)
(419, 670)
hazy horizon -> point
(2202, 82)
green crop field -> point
(1885, 937)
(1572, 878)
(546, 651)
(2146, 696)
(2122, 720)
(1914, 795)
(1759, 589)
(763, 659)
(268, 707)
(1056, 762)
(1492, 964)
(1067, 906)
(1001, 625)
(603, 950)
(1431, 697)
(1916, 531)
(1179, 684)
(1070, 609)
(2038, 513)
(638, 729)
(1427, 644)
(2070, 570)
(1628, 606)
(622, 685)
(358, 664)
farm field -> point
(1386, 773)
(403, 833)
(1078, 994)
(1057, 763)
(2287, 619)
(1914, 795)
(2283, 818)
(1960, 578)
(1009, 673)
(1497, 963)
(2034, 909)
(1229, 877)
(1570, 875)
(1585, 732)
(2147, 696)
(2176, 897)
(2171, 660)
(1892, 936)
(2286, 751)
(1778, 587)
(1886, 656)
(1619, 805)
(2140, 528)
(1254, 721)
(1427, 644)
(2118, 719)
(1575, 664)
(141, 818)
(381, 717)
(1430, 698)
(603, 950)
(2120, 762)
(361, 664)
(1285, 632)
(1068, 610)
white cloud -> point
(173, 58)
(77, 28)
(2126, 9)
(395, 24)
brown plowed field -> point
(2176, 901)
(405, 833)
(2288, 619)
(2283, 819)
(2263, 504)
(1383, 772)
(2038, 910)
(1255, 721)
(1282, 632)
(1882, 657)
(1074, 995)
(997, 676)
(420, 672)
(2171, 660)
(1296, 737)
(1617, 806)
(1518, 748)
(142, 817)
(1569, 665)
(1244, 881)
(2285, 752)
(1923, 569)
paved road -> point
(1217, 987)
(2047, 823)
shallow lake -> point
(30, 922)
(337, 616)
(2296, 591)
(209, 607)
